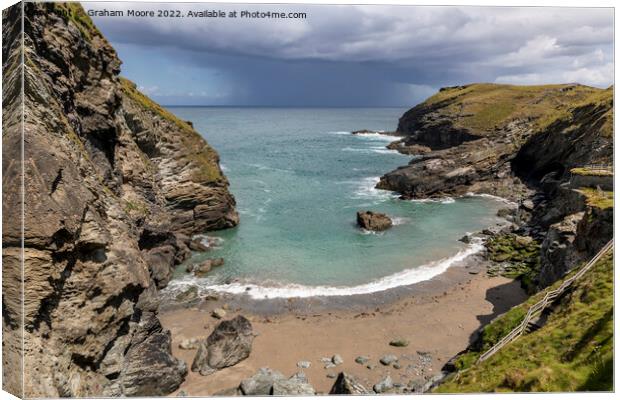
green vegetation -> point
(136, 207)
(598, 198)
(130, 89)
(484, 107)
(519, 257)
(197, 151)
(572, 351)
(76, 14)
(600, 102)
(591, 172)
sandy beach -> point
(438, 317)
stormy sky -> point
(354, 55)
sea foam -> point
(402, 278)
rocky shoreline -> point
(114, 187)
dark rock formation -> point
(114, 186)
(347, 384)
(229, 343)
(373, 221)
(520, 143)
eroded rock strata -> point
(114, 188)
(530, 144)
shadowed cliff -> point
(115, 186)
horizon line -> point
(278, 106)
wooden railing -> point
(538, 308)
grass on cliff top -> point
(573, 351)
(197, 150)
(75, 13)
(598, 198)
(485, 107)
(591, 172)
(600, 103)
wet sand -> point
(438, 317)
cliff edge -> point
(114, 187)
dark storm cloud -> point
(373, 55)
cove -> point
(299, 177)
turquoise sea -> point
(299, 178)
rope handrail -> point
(543, 303)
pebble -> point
(337, 359)
(304, 364)
(388, 359)
(332, 375)
(190, 344)
(396, 365)
(370, 367)
(218, 313)
(399, 343)
(362, 360)
(329, 365)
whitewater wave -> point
(374, 149)
(376, 136)
(366, 190)
(211, 242)
(399, 220)
(403, 278)
(490, 196)
(441, 200)
(340, 133)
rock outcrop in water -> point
(373, 221)
(529, 144)
(114, 186)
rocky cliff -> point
(530, 144)
(114, 187)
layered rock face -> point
(474, 132)
(521, 143)
(114, 186)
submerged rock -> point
(229, 343)
(205, 266)
(347, 384)
(373, 221)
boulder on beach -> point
(229, 343)
(384, 385)
(388, 359)
(269, 382)
(347, 384)
(373, 221)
